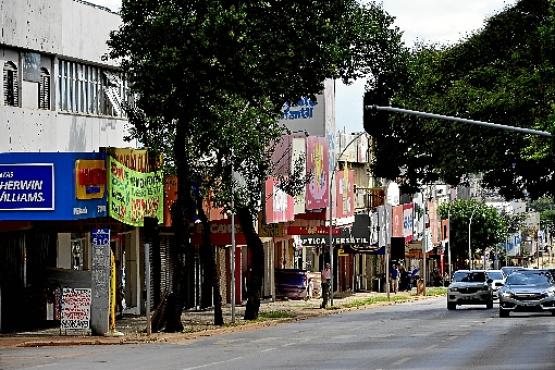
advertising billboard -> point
(51, 186)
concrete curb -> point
(136, 338)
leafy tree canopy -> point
(488, 226)
(212, 76)
(505, 74)
(221, 71)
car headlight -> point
(507, 294)
(550, 293)
(453, 289)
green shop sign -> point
(134, 195)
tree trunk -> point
(212, 281)
(254, 281)
(182, 256)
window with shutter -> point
(44, 89)
(11, 93)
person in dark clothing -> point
(404, 279)
(326, 284)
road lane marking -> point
(214, 363)
(267, 350)
(401, 361)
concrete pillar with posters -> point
(100, 284)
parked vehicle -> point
(497, 278)
(291, 283)
(529, 291)
(469, 287)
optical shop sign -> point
(134, 195)
(27, 187)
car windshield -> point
(528, 278)
(496, 275)
(469, 277)
(510, 269)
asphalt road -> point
(416, 335)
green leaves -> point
(502, 74)
(219, 72)
(488, 227)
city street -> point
(416, 335)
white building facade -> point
(60, 94)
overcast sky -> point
(430, 21)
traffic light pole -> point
(461, 120)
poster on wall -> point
(345, 196)
(279, 206)
(407, 222)
(134, 195)
(317, 164)
(76, 311)
(397, 222)
(299, 154)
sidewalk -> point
(199, 323)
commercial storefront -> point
(47, 204)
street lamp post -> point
(330, 198)
(449, 268)
(469, 239)
(425, 245)
(232, 254)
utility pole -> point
(330, 206)
(460, 120)
(425, 244)
(232, 254)
(449, 267)
(469, 239)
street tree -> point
(503, 73)
(488, 228)
(211, 78)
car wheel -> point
(451, 306)
(503, 313)
(489, 305)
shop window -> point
(44, 89)
(11, 91)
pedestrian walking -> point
(326, 278)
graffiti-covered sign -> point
(134, 195)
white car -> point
(498, 280)
(469, 287)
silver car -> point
(469, 287)
(527, 290)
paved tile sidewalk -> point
(199, 323)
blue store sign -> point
(45, 186)
(27, 186)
